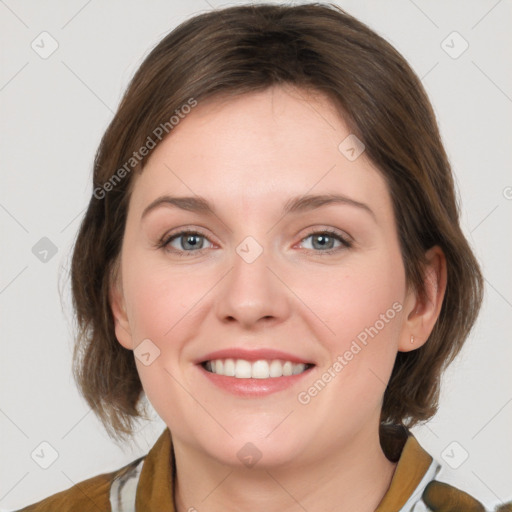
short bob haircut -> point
(316, 48)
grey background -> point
(53, 113)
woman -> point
(272, 255)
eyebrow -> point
(294, 205)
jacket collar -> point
(399, 444)
(155, 487)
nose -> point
(253, 293)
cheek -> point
(161, 309)
(159, 296)
(355, 299)
(362, 308)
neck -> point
(354, 476)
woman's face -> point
(274, 271)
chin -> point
(256, 451)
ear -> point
(118, 306)
(422, 312)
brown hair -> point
(236, 50)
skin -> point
(248, 155)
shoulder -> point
(443, 497)
(421, 483)
(91, 495)
(440, 496)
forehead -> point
(260, 148)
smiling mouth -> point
(260, 369)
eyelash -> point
(165, 241)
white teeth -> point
(276, 369)
(242, 369)
(261, 369)
(229, 368)
(298, 368)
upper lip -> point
(252, 355)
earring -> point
(412, 339)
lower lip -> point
(253, 387)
